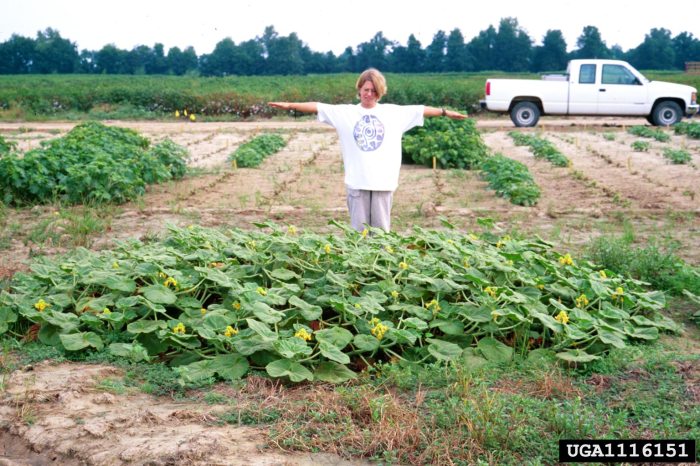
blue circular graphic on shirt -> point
(369, 133)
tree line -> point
(507, 48)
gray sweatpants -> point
(371, 208)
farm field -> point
(608, 189)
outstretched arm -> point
(434, 112)
(305, 107)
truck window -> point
(587, 74)
(616, 74)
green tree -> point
(54, 54)
(112, 60)
(457, 57)
(157, 63)
(180, 62)
(551, 55)
(284, 54)
(686, 48)
(590, 44)
(408, 59)
(656, 52)
(513, 47)
(17, 55)
(374, 53)
(482, 49)
(435, 53)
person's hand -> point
(282, 105)
(455, 115)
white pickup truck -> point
(591, 87)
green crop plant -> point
(307, 306)
(252, 153)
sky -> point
(333, 25)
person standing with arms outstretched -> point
(370, 140)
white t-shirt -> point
(370, 140)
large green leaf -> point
(333, 353)
(159, 294)
(443, 350)
(333, 373)
(261, 329)
(266, 314)
(288, 368)
(283, 274)
(336, 336)
(226, 366)
(365, 342)
(292, 347)
(78, 341)
(308, 311)
(132, 351)
(495, 351)
(576, 356)
(146, 326)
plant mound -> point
(252, 153)
(453, 143)
(306, 306)
(93, 163)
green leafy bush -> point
(691, 129)
(92, 163)
(510, 179)
(252, 153)
(640, 146)
(646, 132)
(453, 143)
(318, 307)
(6, 146)
(677, 156)
(541, 148)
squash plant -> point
(307, 306)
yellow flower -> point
(203, 311)
(179, 329)
(115, 265)
(562, 318)
(395, 294)
(261, 291)
(582, 301)
(251, 244)
(170, 281)
(500, 244)
(358, 306)
(303, 334)
(292, 230)
(374, 321)
(236, 306)
(327, 248)
(603, 275)
(566, 259)
(540, 286)
(403, 265)
(379, 330)
(162, 275)
(230, 331)
(216, 265)
(434, 304)
(495, 315)
(389, 249)
(618, 294)
(491, 291)
(365, 232)
(41, 305)
(106, 311)
(473, 237)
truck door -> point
(583, 91)
(620, 92)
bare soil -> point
(59, 414)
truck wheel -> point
(666, 114)
(525, 114)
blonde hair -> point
(376, 78)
